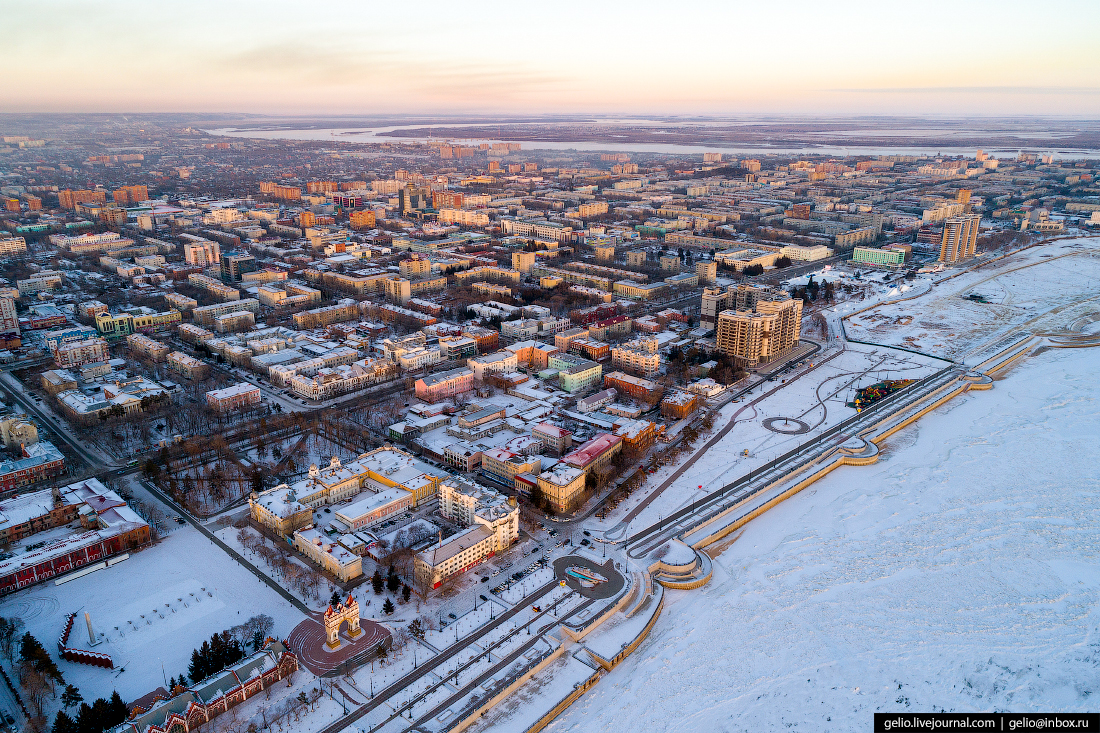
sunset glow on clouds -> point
(784, 56)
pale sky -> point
(564, 56)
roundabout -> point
(579, 573)
(786, 425)
(309, 640)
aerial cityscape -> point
(438, 409)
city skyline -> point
(705, 58)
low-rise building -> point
(563, 340)
(639, 356)
(188, 366)
(36, 462)
(279, 510)
(76, 353)
(420, 358)
(216, 288)
(580, 376)
(596, 454)
(504, 465)
(500, 361)
(561, 486)
(204, 315)
(235, 397)
(678, 404)
(193, 334)
(639, 291)
(556, 439)
(590, 349)
(55, 381)
(635, 387)
(875, 256)
(637, 435)
(149, 348)
(494, 528)
(330, 555)
(805, 253)
(330, 382)
(436, 387)
(372, 508)
(345, 310)
(234, 321)
(380, 469)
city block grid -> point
(467, 436)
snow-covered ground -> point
(1022, 289)
(961, 572)
(816, 399)
(153, 609)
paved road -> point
(431, 664)
(620, 529)
(647, 538)
(480, 679)
(57, 425)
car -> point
(536, 609)
(482, 597)
(181, 520)
(587, 533)
(328, 511)
(485, 579)
(451, 615)
(585, 542)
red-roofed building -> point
(595, 454)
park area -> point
(149, 612)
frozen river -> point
(961, 572)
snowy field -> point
(153, 608)
(817, 400)
(1029, 289)
(961, 572)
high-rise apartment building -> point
(9, 320)
(69, 199)
(129, 195)
(362, 220)
(765, 323)
(202, 252)
(960, 237)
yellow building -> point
(561, 486)
(279, 510)
(523, 261)
(639, 291)
(415, 267)
(333, 557)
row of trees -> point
(214, 655)
(101, 715)
(305, 580)
(38, 677)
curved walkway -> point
(619, 530)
